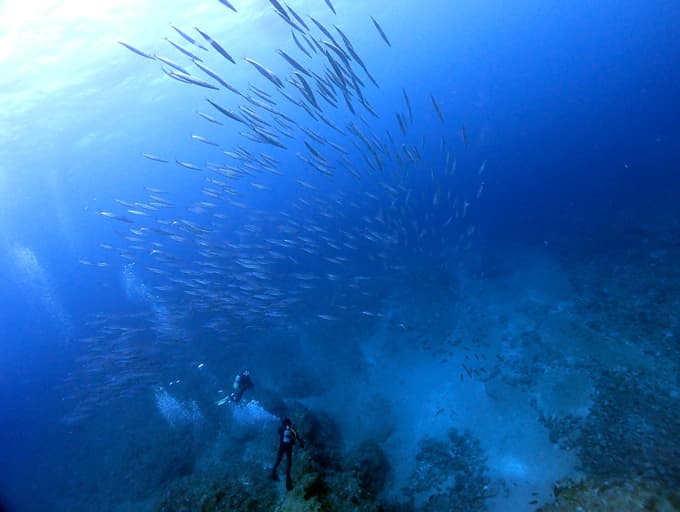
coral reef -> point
(450, 475)
(611, 496)
(324, 479)
(631, 431)
(242, 489)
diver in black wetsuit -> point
(287, 437)
(242, 383)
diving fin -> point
(289, 483)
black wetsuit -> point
(287, 437)
(244, 383)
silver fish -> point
(324, 30)
(172, 64)
(184, 51)
(226, 112)
(279, 8)
(135, 50)
(210, 118)
(188, 79)
(436, 108)
(408, 106)
(227, 4)
(297, 18)
(204, 140)
(380, 30)
(215, 76)
(155, 158)
(216, 46)
(115, 217)
(189, 39)
(188, 165)
(265, 73)
(294, 63)
(330, 6)
(302, 49)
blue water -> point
(550, 253)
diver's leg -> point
(279, 456)
(289, 464)
(289, 459)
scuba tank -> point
(287, 436)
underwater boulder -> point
(370, 467)
(379, 420)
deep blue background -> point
(574, 105)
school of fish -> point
(374, 197)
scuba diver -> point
(242, 382)
(287, 437)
